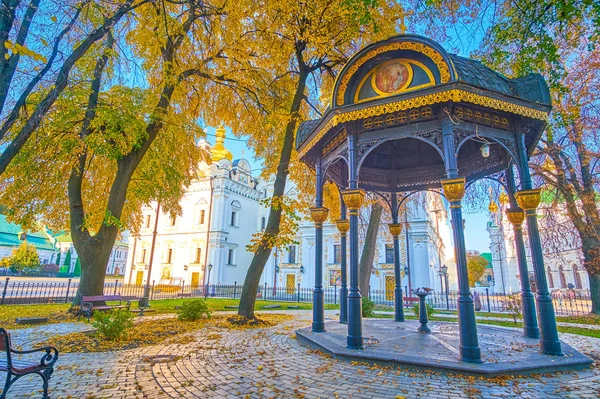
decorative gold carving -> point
(343, 225)
(335, 142)
(434, 55)
(528, 199)
(454, 189)
(399, 118)
(493, 208)
(515, 215)
(504, 198)
(395, 229)
(421, 101)
(386, 266)
(319, 214)
(353, 199)
(483, 118)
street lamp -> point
(444, 273)
(210, 266)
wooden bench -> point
(16, 369)
(89, 304)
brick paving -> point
(269, 363)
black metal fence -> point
(20, 292)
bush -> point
(114, 324)
(367, 307)
(430, 310)
(193, 310)
(31, 271)
(50, 269)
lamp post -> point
(444, 273)
(210, 266)
(406, 273)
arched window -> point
(550, 279)
(263, 223)
(577, 277)
(563, 278)
(235, 210)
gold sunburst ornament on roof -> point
(401, 15)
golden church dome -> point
(219, 151)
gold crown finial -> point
(219, 151)
(401, 15)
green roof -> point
(9, 236)
(487, 256)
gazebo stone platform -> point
(505, 351)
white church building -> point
(564, 267)
(222, 209)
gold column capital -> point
(353, 199)
(343, 226)
(395, 229)
(528, 200)
(319, 215)
(454, 189)
(515, 215)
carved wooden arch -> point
(510, 151)
(377, 142)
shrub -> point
(193, 310)
(430, 310)
(512, 304)
(367, 307)
(113, 324)
(50, 269)
(31, 271)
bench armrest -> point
(86, 305)
(49, 358)
(128, 304)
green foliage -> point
(23, 259)
(368, 307)
(476, 265)
(193, 310)
(430, 310)
(67, 263)
(77, 270)
(113, 324)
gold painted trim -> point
(528, 200)
(433, 54)
(420, 101)
(454, 190)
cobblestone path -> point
(269, 363)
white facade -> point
(227, 198)
(116, 262)
(564, 268)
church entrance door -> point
(290, 283)
(195, 279)
(139, 278)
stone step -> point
(32, 320)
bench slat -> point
(99, 298)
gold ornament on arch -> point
(353, 199)
(528, 200)
(319, 214)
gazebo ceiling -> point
(403, 88)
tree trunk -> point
(591, 258)
(257, 266)
(94, 253)
(365, 266)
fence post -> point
(265, 291)
(298, 292)
(68, 289)
(234, 289)
(116, 283)
(182, 285)
(335, 294)
(4, 290)
(152, 292)
(487, 296)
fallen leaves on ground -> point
(264, 320)
(169, 330)
(56, 313)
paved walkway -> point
(269, 363)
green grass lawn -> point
(219, 304)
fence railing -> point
(20, 292)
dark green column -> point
(343, 226)
(516, 216)
(395, 229)
(353, 198)
(319, 215)
(529, 200)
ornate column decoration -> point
(529, 200)
(454, 190)
(343, 226)
(353, 199)
(395, 230)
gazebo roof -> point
(434, 76)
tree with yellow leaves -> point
(290, 55)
